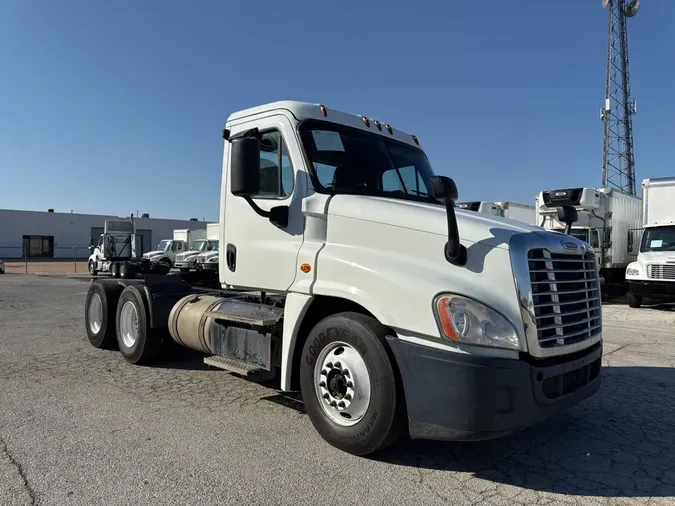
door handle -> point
(231, 257)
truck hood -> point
(153, 253)
(206, 256)
(657, 257)
(187, 254)
(430, 218)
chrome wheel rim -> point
(129, 324)
(95, 313)
(342, 383)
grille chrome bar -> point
(661, 271)
(565, 292)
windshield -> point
(163, 245)
(658, 239)
(580, 233)
(197, 245)
(347, 160)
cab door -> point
(255, 253)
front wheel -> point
(634, 301)
(92, 268)
(349, 386)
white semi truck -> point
(653, 274)
(346, 273)
(167, 249)
(190, 259)
(119, 252)
(605, 217)
(509, 210)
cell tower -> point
(618, 163)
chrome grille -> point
(661, 271)
(566, 297)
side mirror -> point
(245, 166)
(444, 189)
(567, 215)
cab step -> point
(251, 371)
(241, 318)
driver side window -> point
(276, 171)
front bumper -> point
(654, 289)
(209, 266)
(460, 397)
(185, 264)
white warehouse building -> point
(68, 235)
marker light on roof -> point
(378, 125)
(324, 111)
(389, 129)
(415, 139)
(365, 120)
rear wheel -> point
(634, 300)
(99, 313)
(139, 343)
(115, 270)
(92, 268)
(127, 271)
(349, 386)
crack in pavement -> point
(21, 471)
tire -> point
(634, 301)
(138, 343)
(355, 337)
(92, 268)
(127, 271)
(115, 270)
(166, 261)
(100, 309)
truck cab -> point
(165, 252)
(652, 275)
(347, 273)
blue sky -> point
(114, 107)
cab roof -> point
(305, 110)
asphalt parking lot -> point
(81, 426)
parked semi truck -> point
(348, 275)
(509, 210)
(605, 217)
(208, 260)
(119, 251)
(188, 260)
(167, 249)
(653, 273)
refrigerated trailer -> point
(509, 210)
(653, 273)
(346, 273)
(605, 218)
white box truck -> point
(118, 252)
(509, 210)
(190, 259)
(653, 274)
(346, 273)
(208, 259)
(167, 249)
(605, 217)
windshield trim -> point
(319, 188)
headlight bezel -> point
(513, 342)
(635, 271)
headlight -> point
(213, 260)
(632, 272)
(468, 321)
